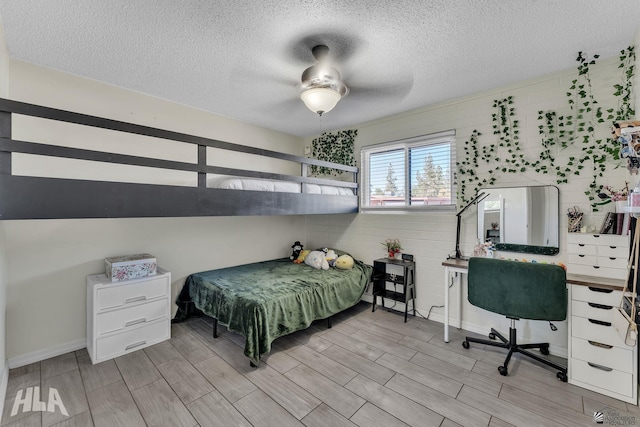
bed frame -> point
(28, 197)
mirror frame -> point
(522, 248)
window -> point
(414, 173)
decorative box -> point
(129, 267)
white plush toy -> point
(330, 255)
(316, 259)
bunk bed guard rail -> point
(36, 197)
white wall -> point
(49, 260)
(431, 236)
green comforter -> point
(269, 299)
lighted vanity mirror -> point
(521, 219)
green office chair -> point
(518, 290)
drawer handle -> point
(581, 256)
(602, 368)
(604, 291)
(135, 299)
(599, 322)
(600, 306)
(599, 344)
(138, 344)
(580, 244)
(596, 266)
(613, 247)
(612, 258)
(135, 322)
(596, 235)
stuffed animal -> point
(330, 256)
(317, 260)
(302, 256)
(297, 248)
(344, 262)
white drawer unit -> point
(126, 316)
(599, 360)
(599, 255)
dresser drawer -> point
(597, 271)
(592, 310)
(601, 354)
(588, 260)
(121, 296)
(614, 251)
(135, 339)
(596, 295)
(619, 263)
(581, 249)
(597, 239)
(611, 380)
(133, 316)
(590, 330)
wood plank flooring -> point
(370, 369)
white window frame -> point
(406, 145)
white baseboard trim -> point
(3, 385)
(46, 353)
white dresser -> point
(598, 358)
(126, 316)
(600, 255)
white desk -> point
(455, 268)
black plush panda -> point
(297, 248)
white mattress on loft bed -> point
(257, 184)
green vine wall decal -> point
(333, 147)
(481, 165)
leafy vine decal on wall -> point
(333, 147)
(482, 164)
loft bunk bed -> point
(242, 192)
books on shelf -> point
(616, 223)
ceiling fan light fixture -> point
(320, 100)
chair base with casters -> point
(514, 347)
(518, 290)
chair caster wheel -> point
(465, 344)
(562, 376)
(503, 371)
(492, 336)
(544, 350)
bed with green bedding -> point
(266, 300)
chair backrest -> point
(520, 290)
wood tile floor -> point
(370, 369)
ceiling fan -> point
(321, 84)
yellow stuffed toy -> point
(344, 262)
(302, 256)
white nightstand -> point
(126, 316)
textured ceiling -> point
(243, 59)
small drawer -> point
(124, 295)
(597, 239)
(135, 339)
(588, 260)
(614, 251)
(592, 310)
(603, 377)
(602, 354)
(134, 316)
(597, 271)
(581, 249)
(595, 294)
(619, 263)
(594, 330)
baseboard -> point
(47, 353)
(3, 385)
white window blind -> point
(416, 173)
